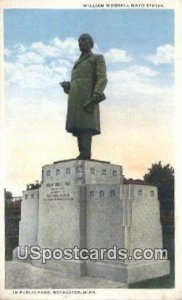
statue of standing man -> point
(88, 81)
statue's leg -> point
(84, 144)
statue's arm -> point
(101, 81)
(101, 77)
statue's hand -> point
(66, 86)
(89, 106)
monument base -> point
(75, 268)
(128, 272)
(114, 271)
(85, 204)
(119, 272)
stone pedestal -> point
(86, 204)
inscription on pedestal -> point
(58, 191)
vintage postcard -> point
(90, 152)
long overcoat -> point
(88, 77)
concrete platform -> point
(21, 275)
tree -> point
(7, 195)
(163, 178)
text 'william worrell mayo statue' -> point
(88, 81)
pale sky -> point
(137, 116)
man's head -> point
(86, 43)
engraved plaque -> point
(58, 191)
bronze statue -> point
(88, 81)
